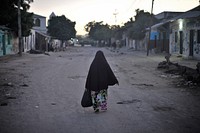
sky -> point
(84, 11)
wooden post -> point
(19, 28)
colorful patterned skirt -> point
(99, 100)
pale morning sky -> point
(84, 11)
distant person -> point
(99, 77)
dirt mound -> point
(189, 74)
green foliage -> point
(61, 28)
(117, 31)
(8, 15)
(136, 29)
(98, 30)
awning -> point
(43, 34)
(157, 25)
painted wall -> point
(42, 27)
(180, 34)
(196, 38)
(29, 42)
(6, 43)
(1, 42)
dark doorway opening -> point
(191, 45)
(181, 42)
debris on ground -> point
(32, 51)
(8, 84)
(4, 104)
(11, 97)
(163, 108)
(143, 84)
(53, 103)
(129, 101)
(46, 53)
(191, 76)
(24, 85)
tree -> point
(142, 21)
(8, 15)
(117, 31)
(98, 30)
(61, 28)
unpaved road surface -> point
(41, 94)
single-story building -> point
(8, 41)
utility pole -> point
(19, 28)
(115, 14)
(148, 44)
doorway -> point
(191, 44)
(181, 42)
(4, 45)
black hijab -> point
(100, 75)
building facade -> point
(185, 35)
(8, 41)
(38, 38)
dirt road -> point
(41, 94)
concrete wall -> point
(6, 42)
(42, 28)
(29, 42)
(180, 34)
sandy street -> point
(41, 94)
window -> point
(176, 37)
(198, 36)
(37, 22)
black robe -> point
(100, 75)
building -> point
(159, 40)
(8, 41)
(179, 35)
(38, 38)
(185, 34)
(166, 15)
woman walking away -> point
(99, 77)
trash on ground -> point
(53, 103)
(163, 108)
(143, 84)
(24, 85)
(8, 84)
(4, 104)
(128, 101)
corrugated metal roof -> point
(43, 34)
(189, 14)
(157, 25)
(194, 13)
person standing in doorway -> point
(99, 77)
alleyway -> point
(41, 94)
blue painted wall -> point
(5, 43)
